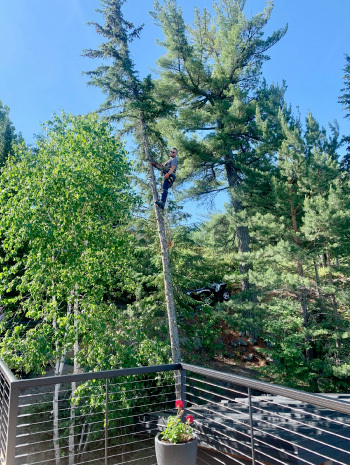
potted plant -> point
(177, 444)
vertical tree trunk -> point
(168, 286)
(71, 445)
(317, 279)
(242, 233)
(59, 366)
(302, 290)
(334, 302)
(330, 281)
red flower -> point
(190, 419)
(179, 404)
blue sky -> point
(42, 41)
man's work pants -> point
(166, 186)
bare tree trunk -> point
(334, 301)
(242, 232)
(317, 279)
(302, 290)
(84, 439)
(59, 366)
(168, 286)
(331, 282)
(74, 384)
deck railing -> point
(111, 417)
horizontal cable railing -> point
(111, 418)
(92, 417)
(262, 423)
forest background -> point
(80, 262)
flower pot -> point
(176, 454)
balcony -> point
(111, 418)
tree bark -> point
(242, 232)
(71, 445)
(334, 302)
(168, 286)
(317, 279)
(302, 290)
(330, 281)
(59, 366)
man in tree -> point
(169, 170)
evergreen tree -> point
(7, 134)
(131, 99)
(291, 220)
(212, 71)
(344, 99)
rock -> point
(233, 344)
(269, 344)
(252, 340)
(231, 355)
(243, 350)
(269, 360)
(248, 358)
(242, 342)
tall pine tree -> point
(212, 71)
(344, 99)
(131, 100)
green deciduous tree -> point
(64, 211)
(63, 219)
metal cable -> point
(135, 460)
(81, 406)
(128, 443)
(91, 423)
(131, 452)
(284, 418)
(308, 426)
(225, 435)
(138, 406)
(218, 413)
(224, 397)
(49, 421)
(215, 385)
(301, 435)
(100, 394)
(217, 459)
(309, 413)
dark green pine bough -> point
(211, 70)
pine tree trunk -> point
(317, 279)
(242, 233)
(302, 290)
(330, 281)
(168, 286)
(334, 301)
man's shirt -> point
(171, 162)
